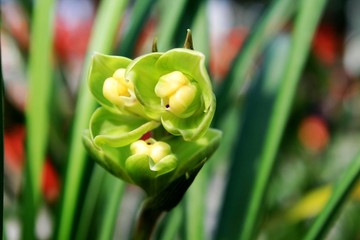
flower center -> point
(177, 93)
(116, 89)
(157, 150)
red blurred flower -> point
(14, 148)
(71, 40)
(50, 182)
(313, 133)
(14, 155)
(223, 54)
(326, 44)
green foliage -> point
(264, 170)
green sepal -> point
(192, 64)
(102, 67)
(145, 72)
(150, 176)
(111, 159)
(177, 169)
(166, 164)
(117, 130)
(144, 76)
(191, 158)
(114, 128)
(190, 154)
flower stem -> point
(146, 222)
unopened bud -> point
(168, 84)
(116, 87)
(182, 99)
(177, 93)
(157, 150)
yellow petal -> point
(159, 150)
(181, 100)
(168, 84)
(119, 74)
(113, 90)
(140, 147)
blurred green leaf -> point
(139, 15)
(252, 128)
(338, 198)
(200, 31)
(258, 109)
(271, 21)
(92, 195)
(305, 24)
(106, 24)
(195, 206)
(196, 196)
(113, 189)
(28, 6)
(172, 224)
(170, 16)
(37, 115)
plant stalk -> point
(146, 222)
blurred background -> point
(319, 141)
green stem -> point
(146, 222)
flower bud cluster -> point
(165, 96)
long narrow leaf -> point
(337, 200)
(200, 31)
(114, 189)
(267, 26)
(171, 12)
(256, 116)
(37, 117)
(173, 223)
(27, 5)
(140, 13)
(91, 198)
(195, 205)
(107, 20)
(306, 21)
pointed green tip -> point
(154, 45)
(188, 41)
